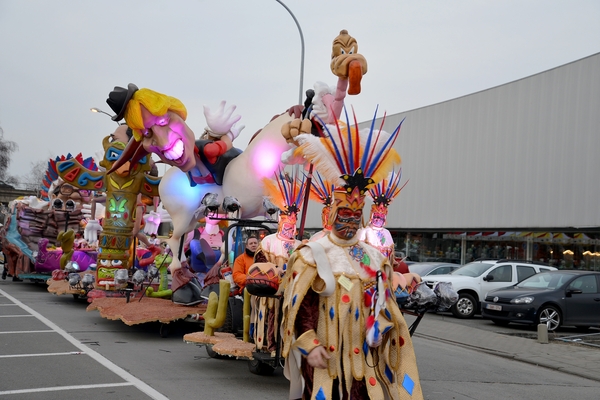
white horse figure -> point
(242, 180)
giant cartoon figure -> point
(159, 127)
(32, 219)
(122, 189)
(325, 103)
(197, 184)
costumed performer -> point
(343, 332)
(271, 260)
(375, 232)
(321, 190)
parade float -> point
(260, 342)
(125, 192)
(189, 193)
(39, 233)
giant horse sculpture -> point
(210, 174)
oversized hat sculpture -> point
(118, 99)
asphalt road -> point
(51, 348)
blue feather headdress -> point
(286, 191)
(353, 160)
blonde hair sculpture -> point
(156, 103)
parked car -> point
(472, 281)
(554, 298)
(432, 268)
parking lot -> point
(43, 358)
(51, 348)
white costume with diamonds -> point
(380, 238)
(326, 303)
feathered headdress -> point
(286, 192)
(352, 160)
(386, 191)
(321, 190)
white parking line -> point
(139, 384)
(13, 332)
(68, 353)
(15, 316)
(57, 388)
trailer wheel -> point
(260, 368)
(165, 330)
(213, 354)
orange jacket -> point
(240, 269)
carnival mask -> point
(287, 226)
(378, 216)
(347, 222)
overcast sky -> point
(60, 58)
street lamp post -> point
(300, 92)
(302, 53)
(97, 110)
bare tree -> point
(7, 147)
(36, 175)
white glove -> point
(90, 233)
(152, 221)
(221, 121)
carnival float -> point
(215, 196)
(39, 234)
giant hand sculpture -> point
(221, 122)
(152, 221)
(90, 233)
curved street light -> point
(302, 54)
(97, 110)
